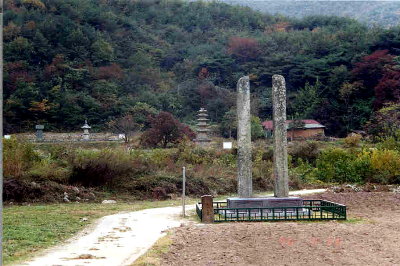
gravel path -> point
(119, 239)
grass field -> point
(28, 230)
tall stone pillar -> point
(280, 137)
(245, 184)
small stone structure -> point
(207, 209)
(245, 183)
(39, 132)
(86, 134)
(202, 138)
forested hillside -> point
(384, 13)
(67, 61)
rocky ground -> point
(371, 236)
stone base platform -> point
(268, 202)
(264, 204)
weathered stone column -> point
(245, 184)
(280, 137)
(207, 209)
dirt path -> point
(119, 239)
(116, 239)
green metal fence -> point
(311, 211)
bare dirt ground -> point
(371, 236)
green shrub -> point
(389, 143)
(156, 157)
(337, 165)
(225, 158)
(353, 140)
(48, 170)
(304, 172)
(305, 150)
(386, 166)
(196, 155)
(373, 165)
(59, 153)
(257, 130)
(18, 157)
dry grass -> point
(153, 256)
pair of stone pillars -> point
(280, 138)
(245, 186)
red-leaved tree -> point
(388, 88)
(165, 129)
(371, 67)
(379, 73)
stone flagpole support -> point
(207, 209)
(280, 137)
(245, 184)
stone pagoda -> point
(202, 138)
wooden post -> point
(183, 190)
(207, 209)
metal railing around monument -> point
(312, 210)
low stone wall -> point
(69, 137)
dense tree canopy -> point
(67, 61)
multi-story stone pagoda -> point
(202, 138)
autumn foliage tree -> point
(371, 68)
(379, 73)
(244, 48)
(388, 88)
(164, 130)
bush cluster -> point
(372, 165)
(353, 140)
(304, 150)
(19, 156)
(157, 173)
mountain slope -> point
(384, 13)
(67, 61)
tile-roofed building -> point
(310, 129)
